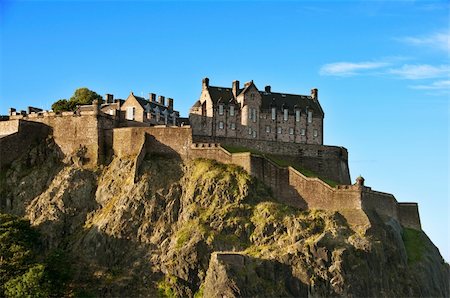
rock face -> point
(202, 228)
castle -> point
(248, 113)
(221, 118)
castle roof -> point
(269, 100)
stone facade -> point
(249, 113)
(151, 112)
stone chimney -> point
(248, 84)
(161, 100)
(267, 89)
(170, 103)
(152, 97)
(11, 111)
(235, 88)
(205, 83)
(109, 98)
(315, 93)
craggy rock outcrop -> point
(204, 228)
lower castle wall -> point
(328, 161)
(408, 214)
(22, 135)
(383, 203)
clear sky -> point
(382, 69)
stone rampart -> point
(17, 136)
(327, 161)
(72, 130)
(408, 214)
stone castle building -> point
(250, 113)
(273, 124)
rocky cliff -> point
(200, 228)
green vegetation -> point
(165, 287)
(23, 271)
(280, 161)
(414, 244)
(81, 96)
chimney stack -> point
(109, 98)
(152, 96)
(161, 100)
(235, 88)
(12, 111)
(205, 83)
(267, 89)
(315, 93)
(170, 103)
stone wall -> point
(383, 203)
(73, 130)
(327, 161)
(18, 136)
(409, 215)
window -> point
(254, 134)
(279, 130)
(297, 115)
(309, 117)
(315, 133)
(231, 110)
(250, 112)
(221, 109)
(274, 113)
(220, 124)
(267, 128)
(285, 114)
(233, 126)
(111, 112)
(291, 131)
(254, 115)
(130, 113)
(303, 132)
(249, 130)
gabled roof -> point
(290, 101)
(144, 102)
(268, 100)
(220, 94)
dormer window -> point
(297, 115)
(310, 117)
(285, 114)
(221, 109)
(274, 113)
(231, 110)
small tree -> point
(60, 105)
(81, 96)
(84, 96)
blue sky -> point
(382, 69)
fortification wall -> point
(9, 127)
(383, 203)
(327, 161)
(408, 214)
(72, 131)
(17, 136)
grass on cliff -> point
(278, 160)
(414, 244)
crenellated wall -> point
(327, 161)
